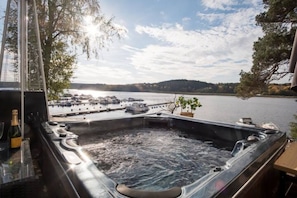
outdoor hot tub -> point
(101, 158)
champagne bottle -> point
(14, 131)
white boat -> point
(269, 125)
(137, 108)
(248, 122)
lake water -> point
(227, 109)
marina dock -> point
(68, 111)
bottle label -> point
(15, 142)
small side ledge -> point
(133, 193)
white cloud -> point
(182, 49)
(253, 2)
(241, 18)
(202, 54)
(211, 17)
(186, 19)
(219, 4)
(100, 70)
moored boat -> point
(247, 122)
(136, 108)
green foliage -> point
(59, 70)
(61, 23)
(272, 51)
(293, 126)
(181, 102)
(192, 103)
(184, 85)
(249, 85)
(278, 11)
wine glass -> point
(1, 129)
(2, 146)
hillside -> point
(184, 86)
(176, 86)
(166, 86)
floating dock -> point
(90, 111)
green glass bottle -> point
(14, 131)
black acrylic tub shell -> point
(250, 167)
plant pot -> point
(189, 114)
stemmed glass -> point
(1, 134)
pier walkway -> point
(68, 111)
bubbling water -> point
(151, 158)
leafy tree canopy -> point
(272, 51)
(66, 27)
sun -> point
(91, 29)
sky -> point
(205, 40)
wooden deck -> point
(287, 162)
(287, 165)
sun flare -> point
(91, 28)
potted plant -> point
(191, 103)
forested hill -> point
(166, 86)
(183, 86)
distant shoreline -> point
(195, 93)
(181, 87)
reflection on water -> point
(153, 159)
(227, 109)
